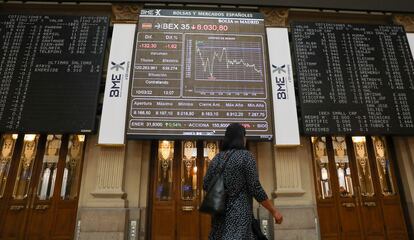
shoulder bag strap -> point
(226, 158)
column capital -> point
(275, 17)
(125, 13)
(405, 20)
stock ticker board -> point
(195, 72)
(354, 79)
(50, 72)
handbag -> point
(215, 200)
(257, 231)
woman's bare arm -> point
(275, 213)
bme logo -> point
(156, 12)
(279, 69)
(281, 86)
(117, 66)
(116, 79)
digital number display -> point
(50, 72)
(354, 79)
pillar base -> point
(103, 223)
(108, 194)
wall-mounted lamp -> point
(29, 137)
(358, 139)
(81, 138)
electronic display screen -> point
(354, 79)
(197, 71)
(50, 72)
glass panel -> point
(24, 172)
(165, 170)
(211, 148)
(72, 170)
(343, 169)
(7, 143)
(49, 167)
(363, 166)
(383, 165)
(320, 156)
(189, 170)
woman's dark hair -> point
(234, 137)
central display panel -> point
(195, 72)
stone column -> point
(295, 192)
(105, 208)
(110, 166)
(287, 167)
(288, 171)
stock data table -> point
(198, 71)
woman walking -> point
(241, 184)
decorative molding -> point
(405, 20)
(275, 17)
(288, 172)
(126, 13)
(110, 173)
